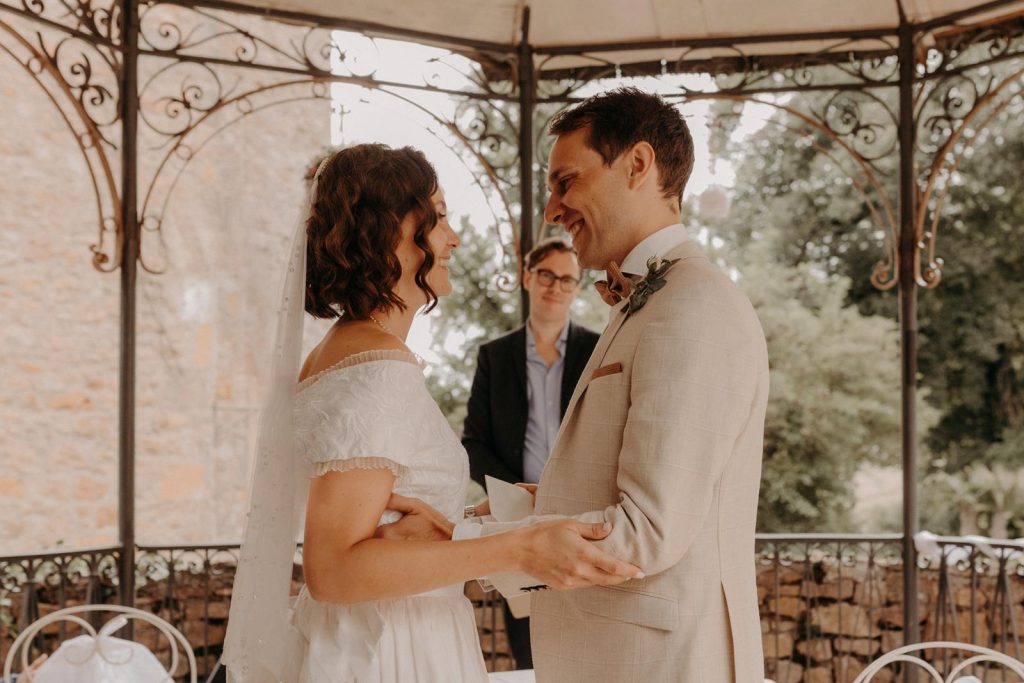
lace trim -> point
(360, 463)
(360, 358)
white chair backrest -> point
(173, 635)
(911, 655)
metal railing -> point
(825, 601)
(829, 603)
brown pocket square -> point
(612, 369)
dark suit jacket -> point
(495, 426)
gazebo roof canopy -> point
(629, 32)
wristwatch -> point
(469, 511)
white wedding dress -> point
(373, 410)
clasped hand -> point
(561, 554)
(419, 522)
(558, 552)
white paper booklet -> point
(510, 503)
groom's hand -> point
(419, 522)
(560, 554)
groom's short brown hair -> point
(620, 118)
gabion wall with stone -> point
(826, 619)
(822, 619)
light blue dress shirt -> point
(544, 400)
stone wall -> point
(822, 620)
(203, 327)
(825, 620)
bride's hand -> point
(419, 522)
(560, 554)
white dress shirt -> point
(655, 244)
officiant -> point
(522, 387)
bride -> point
(355, 441)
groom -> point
(663, 435)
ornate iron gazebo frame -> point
(124, 70)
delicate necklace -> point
(383, 326)
(419, 359)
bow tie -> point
(616, 288)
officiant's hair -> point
(361, 195)
(545, 248)
(620, 118)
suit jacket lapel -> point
(618, 318)
(519, 359)
(571, 367)
(687, 249)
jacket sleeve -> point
(696, 389)
(477, 432)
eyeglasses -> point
(567, 283)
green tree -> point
(971, 356)
(831, 405)
(483, 305)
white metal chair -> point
(98, 639)
(911, 655)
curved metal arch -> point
(885, 275)
(758, 74)
(159, 192)
(887, 265)
(943, 160)
(503, 281)
(213, 36)
(89, 140)
(489, 169)
(466, 140)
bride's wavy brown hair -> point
(362, 194)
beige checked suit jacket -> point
(668, 449)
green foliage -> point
(989, 500)
(797, 205)
(972, 329)
(651, 283)
(833, 403)
(478, 310)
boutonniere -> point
(651, 283)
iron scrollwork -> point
(81, 67)
(71, 51)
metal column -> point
(129, 249)
(527, 102)
(908, 254)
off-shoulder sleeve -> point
(362, 417)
